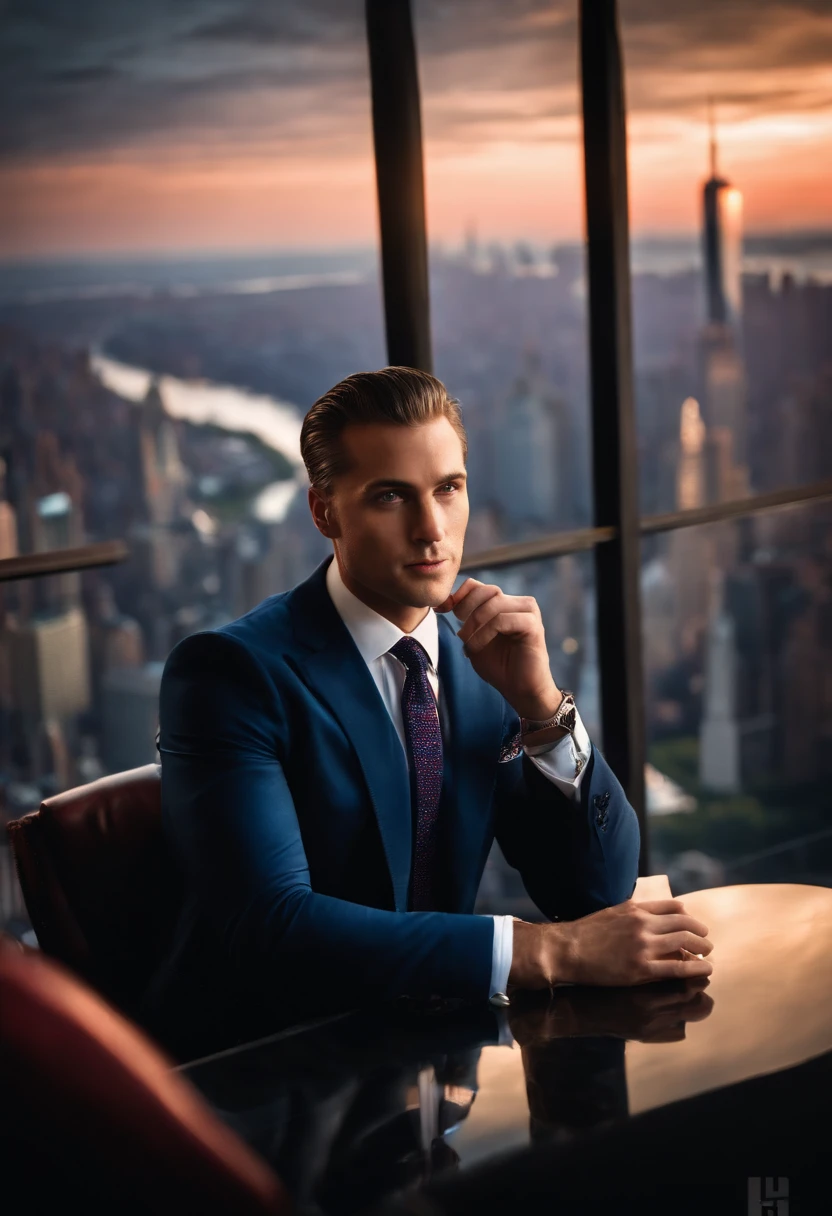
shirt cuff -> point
(565, 761)
(501, 955)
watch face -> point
(568, 718)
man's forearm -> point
(325, 947)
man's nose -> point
(428, 524)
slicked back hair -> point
(396, 396)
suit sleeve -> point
(576, 855)
(229, 811)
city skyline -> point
(217, 125)
(729, 397)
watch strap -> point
(564, 717)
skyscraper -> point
(57, 524)
(130, 704)
(8, 519)
(723, 389)
(719, 736)
(689, 549)
(690, 483)
(722, 244)
(533, 458)
(50, 665)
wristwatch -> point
(565, 716)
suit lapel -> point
(334, 669)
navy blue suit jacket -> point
(286, 797)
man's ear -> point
(323, 514)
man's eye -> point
(387, 496)
(451, 485)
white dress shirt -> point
(563, 762)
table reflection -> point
(370, 1105)
(392, 1100)
(573, 1049)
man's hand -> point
(504, 639)
(618, 947)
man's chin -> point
(427, 590)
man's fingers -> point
(498, 605)
(677, 968)
(457, 596)
(481, 612)
(697, 986)
(661, 906)
(478, 593)
(676, 923)
(503, 622)
(692, 942)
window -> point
(565, 592)
(731, 260)
(153, 393)
(737, 640)
(504, 194)
(188, 259)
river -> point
(277, 423)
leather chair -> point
(94, 1119)
(100, 886)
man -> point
(337, 763)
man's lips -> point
(428, 563)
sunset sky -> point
(154, 125)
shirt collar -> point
(374, 634)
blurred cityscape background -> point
(187, 234)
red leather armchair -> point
(94, 1119)
(100, 886)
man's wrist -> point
(540, 957)
(539, 709)
(565, 720)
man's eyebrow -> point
(391, 483)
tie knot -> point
(411, 653)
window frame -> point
(615, 538)
(618, 528)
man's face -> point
(398, 515)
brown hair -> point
(398, 396)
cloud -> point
(125, 74)
(101, 78)
(296, 24)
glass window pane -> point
(738, 677)
(730, 196)
(504, 186)
(565, 591)
(187, 260)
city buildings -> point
(724, 405)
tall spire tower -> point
(712, 129)
(722, 389)
(722, 240)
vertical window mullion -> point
(397, 137)
(614, 459)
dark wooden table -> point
(386, 1102)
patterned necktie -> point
(424, 746)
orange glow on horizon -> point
(507, 161)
